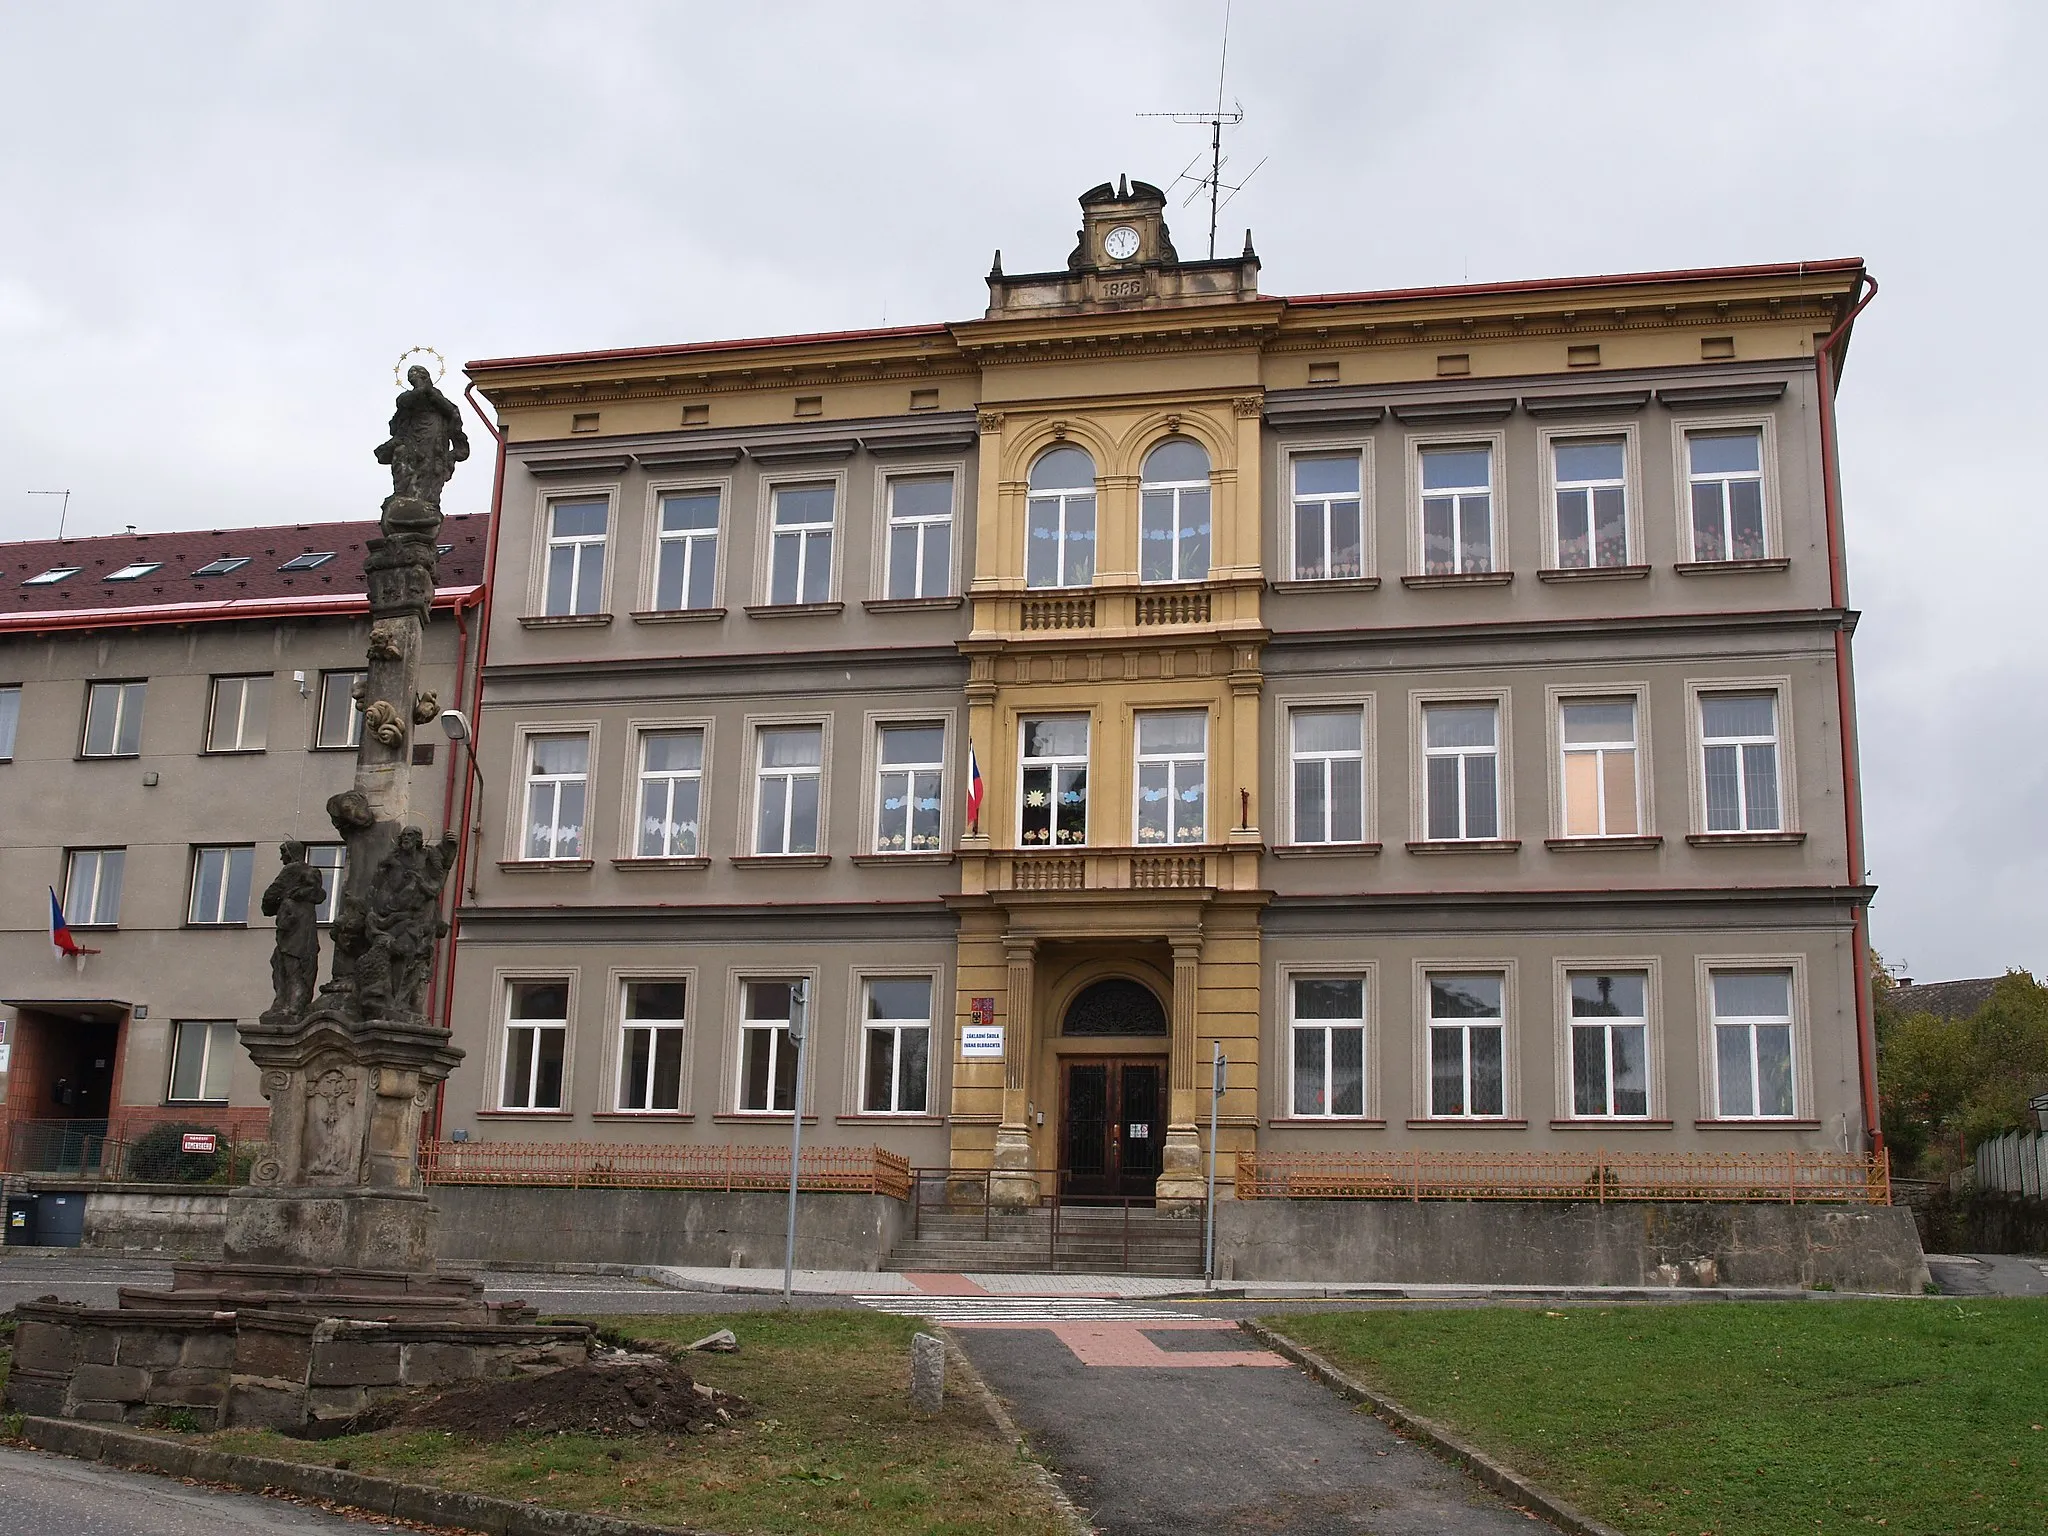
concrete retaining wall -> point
(516, 1224)
(152, 1219)
(1852, 1248)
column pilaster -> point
(1181, 1187)
(1014, 1180)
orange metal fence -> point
(597, 1164)
(1851, 1177)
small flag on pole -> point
(973, 791)
(60, 932)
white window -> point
(536, 1044)
(1329, 1045)
(220, 884)
(52, 576)
(241, 708)
(202, 1060)
(768, 1061)
(896, 1052)
(311, 560)
(1753, 1044)
(341, 713)
(686, 558)
(331, 859)
(671, 788)
(1739, 761)
(921, 536)
(787, 783)
(92, 886)
(1329, 535)
(1173, 762)
(222, 566)
(1592, 503)
(10, 719)
(1328, 749)
(1599, 769)
(575, 573)
(1610, 1044)
(909, 779)
(1173, 513)
(1457, 511)
(1725, 483)
(1059, 518)
(134, 572)
(113, 719)
(651, 1048)
(1467, 1046)
(1053, 807)
(557, 787)
(800, 567)
(1461, 766)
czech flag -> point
(60, 932)
(973, 791)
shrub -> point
(156, 1157)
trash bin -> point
(21, 1220)
(60, 1220)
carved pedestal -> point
(1183, 1182)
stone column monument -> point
(348, 1071)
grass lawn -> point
(1750, 1419)
(832, 1446)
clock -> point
(1121, 243)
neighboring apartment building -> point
(173, 706)
(1439, 699)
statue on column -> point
(401, 923)
(425, 445)
(294, 898)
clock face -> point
(1121, 243)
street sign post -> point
(1220, 1065)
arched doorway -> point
(1113, 1105)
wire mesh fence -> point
(627, 1165)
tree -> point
(1946, 1084)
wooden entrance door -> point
(1112, 1126)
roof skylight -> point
(52, 576)
(306, 562)
(222, 566)
(135, 572)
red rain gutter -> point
(687, 348)
(1612, 280)
(330, 605)
(1845, 705)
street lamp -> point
(799, 1000)
(455, 726)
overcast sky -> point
(219, 224)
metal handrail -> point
(1416, 1174)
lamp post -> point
(1219, 1065)
(799, 1000)
(455, 726)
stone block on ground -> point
(927, 1372)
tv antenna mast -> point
(63, 512)
(1217, 120)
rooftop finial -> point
(1123, 185)
(1249, 253)
(996, 268)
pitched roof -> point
(172, 592)
(1945, 999)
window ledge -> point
(1594, 573)
(909, 604)
(676, 615)
(792, 610)
(332, 746)
(780, 860)
(196, 1104)
(1745, 839)
(1322, 850)
(225, 752)
(525, 1114)
(878, 1117)
(1757, 1123)
(1467, 1122)
(1327, 584)
(758, 1117)
(545, 866)
(1460, 579)
(879, 860)
(1325, 1123)
(661, 1116)
(679, 861)
(564, 620)
(114, 757)
(1611, 1123)
(1467, 845)
(1730, 567)
(1602, 844)
(203, 927)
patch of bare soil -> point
(643, 1395)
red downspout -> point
(1845, 705)
(447, 972)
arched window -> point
(1059, 538)
(1115, 1006)
(1173, 514)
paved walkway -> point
(1988, 1274)
(41, 1494)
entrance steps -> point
(1089, 1240)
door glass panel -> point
(1087, 1120)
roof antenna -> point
(1217, 119)
(63, 512)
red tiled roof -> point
(250, 588)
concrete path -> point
(1166, 1425)
(1988, 1274)
(41, 1495)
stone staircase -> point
(1067, 1240)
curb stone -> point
(1069, 1513)
(373, 1495)
(1502, 1479)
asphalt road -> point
(55, 1496)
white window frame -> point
(887, 524)
(87, 914)
(1650, 967)
(1496, 445)
(1788, 799)
(220, 1040)
(125, 703)
(1683, 427)
(877, 771)
(330, 680)
(1547, 441)
(1060, 498)
(693, 540)
(1085, 762)
(739, 1027)
(334, 876)
(1511, 1076)
(1175, 764)
(1556, 697)
(516, 822)
(218, 917)
(501, 1054)
(1359, 448)
(10, 719)
(756, 773)
(1176, 489)
(1503, 771)
(863, 1026)
(1368, 764)
(616, 1071)
(247, 683)
(1369, 1097)
(833, 531)
(1704, 967)
(636, 790)
(549, 542)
